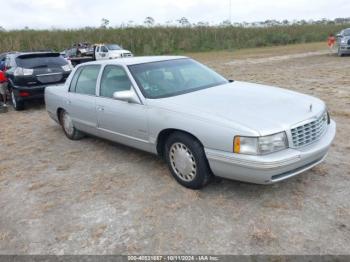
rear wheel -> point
(68, 127)
(17, 105)
(187, 161)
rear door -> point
(81, 98)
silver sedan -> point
(201, 123)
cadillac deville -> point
(201, 123)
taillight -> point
(19, 71)
(24, 94)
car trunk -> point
(47, 69)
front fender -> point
(211, 134)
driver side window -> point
(114, 79)
(104, 49)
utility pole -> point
(230, 11)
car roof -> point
(137, 60)
(16, 54)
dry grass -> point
(4, 236)
(108, 187)
(98, 231)
(36, 186)
(276, 204)
(263, 235)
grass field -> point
(261, 52)
(166, 40)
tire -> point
(68, 128)
(187, 161)
(340, 54)
(17, 105)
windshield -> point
(38, 61)
(346, 32)
(174, 77)
(113, 47)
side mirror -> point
(231, 80)
(127, 96)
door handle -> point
(68, 102)
(100, 108)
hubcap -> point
(67, 124)
(183, 162)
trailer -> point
(84, 52)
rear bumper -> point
(29, 93)
(270, 168)
(24, 94)
(345, 49)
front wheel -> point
(17, 105)
(187, 161)
(67, 125)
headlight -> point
(19, 71)
(343, 41)
(260, 145)
(67, 67)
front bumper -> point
(270, 168)
(345, 49)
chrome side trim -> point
(49, 74)
(123, 135)
(250, 163)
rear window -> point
(40, 60)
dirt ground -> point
(94, 197)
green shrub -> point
(166, 40)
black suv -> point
(29, 73)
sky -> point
(46, 14)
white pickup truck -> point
(95, 53)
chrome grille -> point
(126, 54)
(308, 133)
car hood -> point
(262, 109)
(346, 38)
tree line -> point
(153, 39)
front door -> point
(103, 53)
(118, 120)
(81, 98)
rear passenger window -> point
(86, 80)
(73, 83)
(114, 78)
